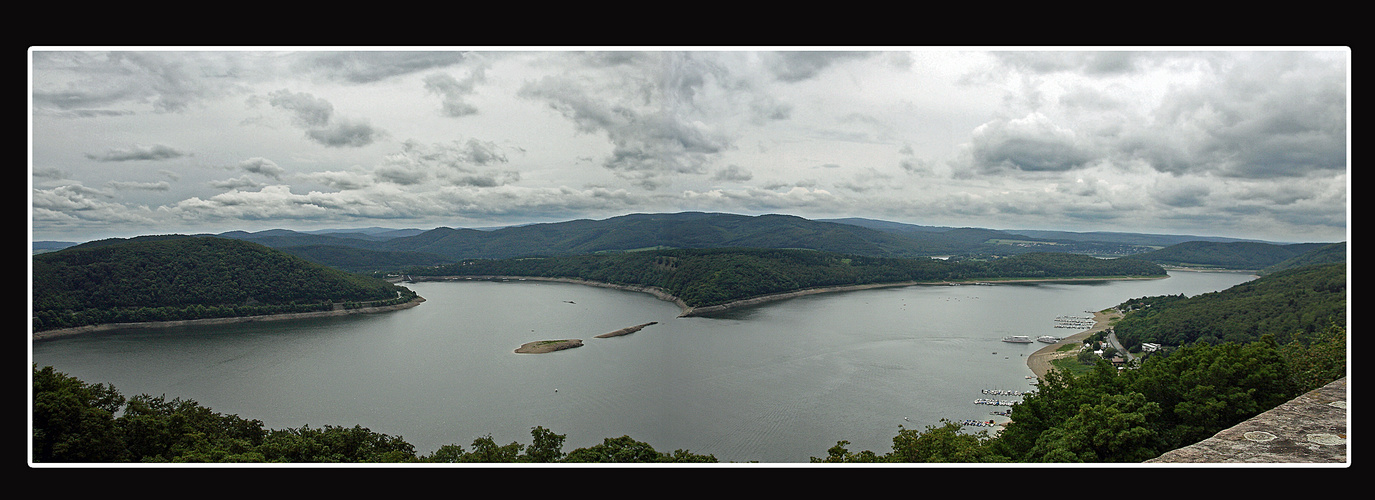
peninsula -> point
(706, 281)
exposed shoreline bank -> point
(690, 311)
(707, 310)
(80, 330)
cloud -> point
(156, 152)
(799, 66)
(460, 163)
(241, 182)
(662, 113)
(78, 205)
(316, 115)
(455, 92)
(362, 67)
(345, 133)
(307, 110)
(262, 166)
(732, 173)
(140, 186)
(1279, 116)
(1029, 144)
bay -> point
(774, 383)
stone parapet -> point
(1310, 429)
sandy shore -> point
(1039, 362)
(67, 332)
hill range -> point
(373, 249)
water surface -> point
(780, 382)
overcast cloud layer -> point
(1250, 144)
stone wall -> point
(1310, 429)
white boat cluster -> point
(994, 402)
(1001, 392)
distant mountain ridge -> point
(375, 248)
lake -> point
(775, 383)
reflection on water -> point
(778, 382)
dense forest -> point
(1284, 304)
(1229, 255)
(705, 277)
(177, 278)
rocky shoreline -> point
(80, 330)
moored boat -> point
(1018, 339)
(1048, 339)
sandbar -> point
(626, 331)
(543, 346)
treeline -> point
(74, 421)
(177, 278)
(1285, 304)
(705, 277)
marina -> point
(1074, 322)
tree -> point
(1116, 429)
(943, 444)
(74, 421)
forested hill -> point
(1229, 255)
(180, 277)
(706, 277)
(1286, 304)
(678, 230)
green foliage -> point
(943, 444)
(1316, 358)
(1232, 255)
(1285, 304)
(74, 421)
(178, 278)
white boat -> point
(1048, 339)
(1018, 339)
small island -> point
(543, 346)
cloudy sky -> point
(1249, 143)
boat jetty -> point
(978, 423)
(1074, 322)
